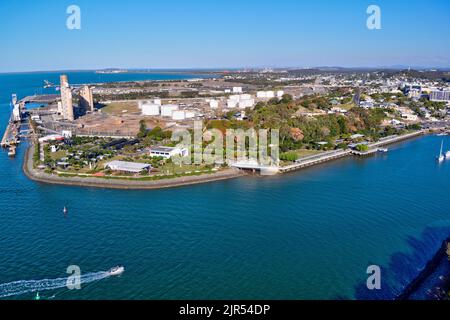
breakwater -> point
(432, 265)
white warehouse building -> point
(168, 152)
(131, 167)
(17, 113)
(151, 109)
(168, 109)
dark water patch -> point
(407, 271)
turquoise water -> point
(307, 235)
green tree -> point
(289, 156)
(362, 148)
(142, 129)
(287, 98)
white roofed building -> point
(129, 167)
(168, 152)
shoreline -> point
(338, 154)
(226, 174)
(89, 182)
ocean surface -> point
(307, 235)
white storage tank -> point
(235, 98)
(178, 115)
(190, 114)
(247, 103)
(213, 104)
(232, 104)
(168, 109)
(265, 94)
(151, 109)
(261, 94)
(270, 94)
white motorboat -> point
(116, 271)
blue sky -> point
(221, 34)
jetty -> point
(325, 156)
(337, 154)
(11, 136)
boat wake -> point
(29, 286)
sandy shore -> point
(43, 177)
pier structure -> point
(254, 167)
(11, 136)
(325, 156)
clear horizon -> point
(445, 69)
(222, 35)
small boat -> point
(447, 155)
(37, 297)
(441, 157)
(12, 152)
(442, 134)
(65, 210)
(383, 150)
(116, 271)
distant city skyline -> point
(222, 35)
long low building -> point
(131, 167)
(168, 152)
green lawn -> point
(118, 108)
(302, 153)
(58, 155)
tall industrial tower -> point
(66, 99)
(86, 98)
